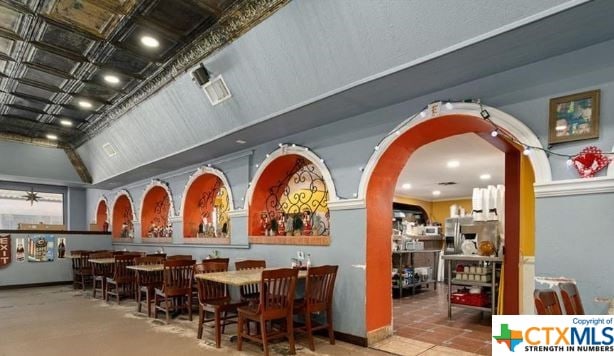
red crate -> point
(476, 300)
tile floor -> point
(424, 318)
(61, 321)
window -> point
(15, 209)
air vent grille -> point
(216, 90)
(109, 149)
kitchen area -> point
(448, 238)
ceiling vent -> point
(447, 183)
(109, 149)
(216, 90)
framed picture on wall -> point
(574, 117)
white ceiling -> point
(428, 166)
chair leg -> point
(290, 332)
(168, 318)
(148, 297)
(309, 330)
(138, 300)
(240, 333)
(265, 340)
(329, 320)
(189, 306)
(218, 334)
(117, 293)
(201, 321)
(224, 317)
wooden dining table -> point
(102, 260)
(147, 268)
(240, 278)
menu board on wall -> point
(41, 248)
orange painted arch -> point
(156, 208)
(380, 194)
(101, 214)
(122, 214)
(192, 213)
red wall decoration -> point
(102, 217)
(206, 193)
(122, 217)
(155, 214)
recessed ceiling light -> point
(149, 41)
(52, 137)
(241, 142)
(66, 123)
(436, 193)
(406, 186)
(112, 79)
(453, 164)
(485, 176)
(85, 104)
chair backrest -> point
(178, 276)
(179, 257)
(277, 291)
(571, 299)
(120, 272)
(219, 259)
(208, 290)
(547, 302)
(149, 260)
(83, 262)
(119, 253)
(320, 285)
(250, 289)
(163, 255)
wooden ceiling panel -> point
(166, 13)
(6, 47)
(37, 55)
(29, 103)
(43, 77)
(10, 19)
(22, 112)
(127, 62)
(64, 38)
(26, 89)
(89, 16)
(100, 93)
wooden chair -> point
(179, 257)
(318, 298)
(250, 292)
(147, 282)
(123, 278)
(100, 272)
(214, 298)
(276, 301)
(176, 286)
(163, 255)
(219, 259)
(571, 299)
(82, 270)
(547, 302)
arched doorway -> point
(378, 184)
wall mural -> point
(214, 206)
(41, 248)
(122, 218)
(297, 204)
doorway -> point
(378, 188)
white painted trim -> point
(515, 127)
(239, 213)
(119, 194)
(581, 186)
(158, 183)
(527, 284)
(611, 166)
(293, 149)
(200, 172)
(104, 199)
(347, 204)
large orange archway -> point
(380, 192)
(102, 215)
(123, 215)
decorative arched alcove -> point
(123, 215)
(288, 203)
(101, 217)
(206, 203)
(157, 210)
